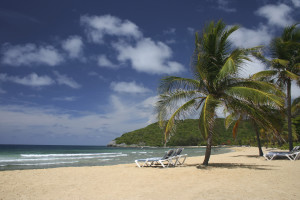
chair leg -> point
(137, 163)
(162, 164)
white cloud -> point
(92, 73)
(65, 80)
(277, 15)
(31, 80)
(250, 68)
(247, 38)
(295, 90)
(191, 30)
(170, 31)
(171, 41)
(73, 45)
(296, 3)
(148, 56)
(129, 87)
(103, 61)
(223, 5)
(97, 27)
(30, 54)
(30, 122)
(65, 98)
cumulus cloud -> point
(96, 27)
(144, 54)
(65, 80)
(277, 15)
(30, 54)
(129, 87)
(250, 68)
(31, 80)
(103, 61)
(73, 46)
(148, 56)
(247, 38)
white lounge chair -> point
(292, 155)
(158, 160)
(180, 158)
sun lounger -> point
(292, 155)
(158, 160)
(180, 158)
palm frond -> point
(170, 83)
(180, 111)
(290, 75)
(229, 120)
(256, 96)
(168, 101)
(281, 62)
(260, 85)
(264, 74)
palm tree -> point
(285, 67)
(273, 119)
(216, 83)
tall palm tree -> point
(285, 67)
(216, 83)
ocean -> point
(20, 157)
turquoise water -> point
(19, 157)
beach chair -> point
(179, 158)
(157, 160)
(292, 155)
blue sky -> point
(85, 72)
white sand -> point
(237, 175)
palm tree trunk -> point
(208, 150)
(289, 114)
(258, 140)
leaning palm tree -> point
(272, 123)
(216, 83)
(285, 67)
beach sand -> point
(236, 175)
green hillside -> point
(187, 134)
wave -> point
(68, 155)
(45, 158)
(56, 163)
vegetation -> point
(216, 83)
(187, 134)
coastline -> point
(239, 174)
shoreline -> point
(45, 158)
(241, 174)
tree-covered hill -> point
(187, 134)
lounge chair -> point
(292, 155)
(157, 160)
(177, 156)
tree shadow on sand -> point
(231, 166)
(248, 156)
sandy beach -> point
(237, 175)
